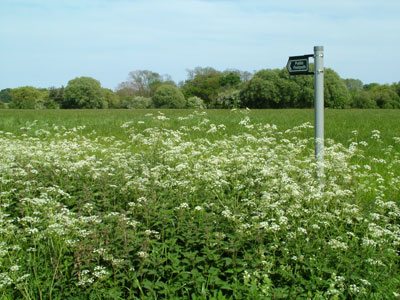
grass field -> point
(338, 123)
(176, 204)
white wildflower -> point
(100, 272)
(337, 244)
(142, 254)
(14, 268)
(183, 206)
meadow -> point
(217, 204)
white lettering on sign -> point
(299, 65)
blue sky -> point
(46, 43)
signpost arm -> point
(319, 108)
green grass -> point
(190, 205)
(337, 122)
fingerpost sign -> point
(299, 65)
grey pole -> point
(319, 108)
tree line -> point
(206, 88)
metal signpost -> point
(298, 65)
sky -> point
(45, 43)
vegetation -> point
(208, 83)
(177, 204)
(268, 88)
(110, 98)
(28, 97)
(5, 95)
(84, 92)
(142, 83)
(168, 96)
(195, 102)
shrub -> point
(25, 97)
(195, 102)
(228, 99)
(84, 92)
(140, 102)
(168, 96)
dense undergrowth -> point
(193, 213)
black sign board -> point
(298, 65)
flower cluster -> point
(93, 207)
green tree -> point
(112, 100)
(204, 83)
(277, 89)
(289, 90)
(195, 102)
(125, 96)
(305, 94)
(300, 93)
(336, 94)
(28, 97)
(229, 98)
(57, 94)
(24, 97)
(165, 80)
(355, 87)
(200, 71)
(45, 102)
(385, 96)
(5, 95)
(396, 88)
(370, 86)
(364, 99)
(2, 105)
(210, 84)
(230, 79)
(259, 93)
(168, 96)
(140, 102)
(353, 84)
(84, 92)
(267, 89)
(142, 83)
